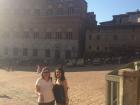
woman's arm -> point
(39, 93)
(37, 90)
(66, 90)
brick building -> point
(43, 30)
(114, 39)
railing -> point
(113, 83)
(117, 85)
(137, 68)
(139, 91)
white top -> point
(46, 89)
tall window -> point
(36, 35)
(58, 35)
(57, 54)
(70, 10)
(48, 35)
(47, 53)
(69, 35)
(25, 51)
(67, 54)
(15, 51)
(35, 52)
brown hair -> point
(62, 72)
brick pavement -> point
(87, 88)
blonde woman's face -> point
(58, 74)
(46, 74)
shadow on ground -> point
(92, 68)
(66, 69)
(5, 96)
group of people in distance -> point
(40, 67)
(50, 92)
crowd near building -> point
(53, 31)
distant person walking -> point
(60, 88)
(39, 68)
(44, 88)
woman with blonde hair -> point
(44, 88)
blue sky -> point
(104, 9)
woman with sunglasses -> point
(44, 88)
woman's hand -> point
(41, 97)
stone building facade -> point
(114, 39)
(111, 41)
(108, 38)
(42, 30)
